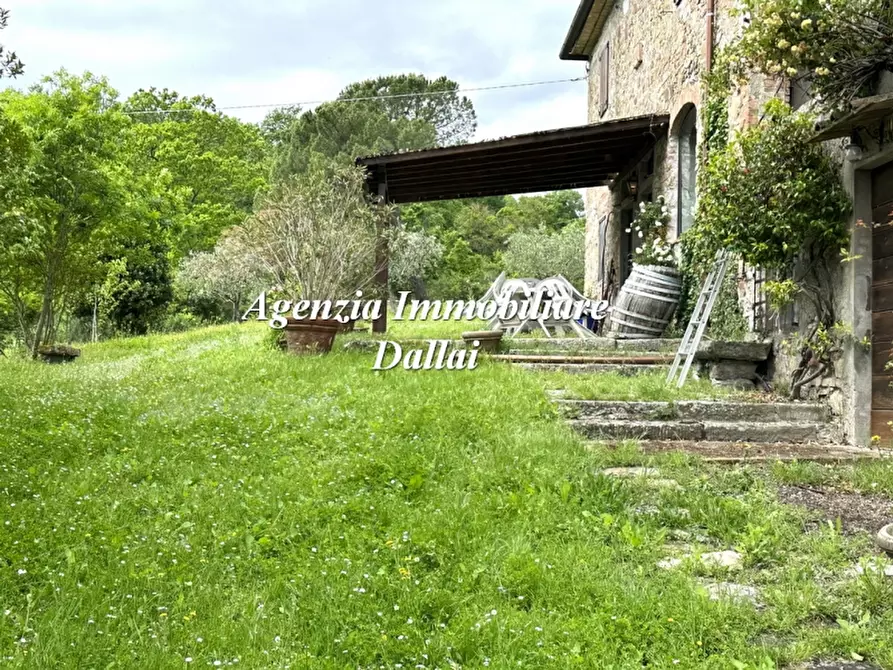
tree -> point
(10, 65)
(340, 131)
(363, 121)
(214, 165)
(542, 254)
(140, 287)
(552, 211)
(68, 188)
(226, 274)
(774, 197)
(315, 235)
(415, 97)
(416, 254)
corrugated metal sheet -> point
(578, 157)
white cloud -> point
(559, 111)
(245, 52)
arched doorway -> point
(687, 139)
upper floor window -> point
(604, 80)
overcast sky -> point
(243, 52)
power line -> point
(367, 98)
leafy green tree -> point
(341, 131)
(542, 254)
(141, 289)
(10, 65)
(68, 190)
(367, 119)
(214, 165)
(552, 211)
(437, 102)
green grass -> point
(421, 329)
(199, 496)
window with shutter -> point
(604, 77)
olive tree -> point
(315, 235)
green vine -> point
(728, 322)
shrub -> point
(841, 45)
(769, 193)
(650, 235)
(315, 235)
(544, 254)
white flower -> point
(638, 250)
(641, 234)
(629, 230)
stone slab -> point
(694, 410)
(728, 370)
(734, 351)
(781, 431)
(593, 368)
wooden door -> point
(882, 302)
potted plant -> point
(315, 236)
(489, 340)
(649, 296)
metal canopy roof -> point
(579, 157)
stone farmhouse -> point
(648, 57)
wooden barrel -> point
(646, 303)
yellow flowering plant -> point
(842, 46)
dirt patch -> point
(856, 512)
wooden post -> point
(382, 267)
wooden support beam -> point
(382, 267)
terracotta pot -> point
(310, 336)
(489, 339)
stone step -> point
(755, 452)
(712, 431)
(578, 359)
(694, 410)
(593, 368)
(598, 344)
(609, 354)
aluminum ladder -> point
(699, 318)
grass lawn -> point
(197, 500)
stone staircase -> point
(722, 431)
(599, 355)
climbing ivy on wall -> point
(728, 322)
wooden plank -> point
(880, 426)
(622, 128)
(882, 242)
(882, 271)
(882, 297)
(880, 356)
(882, 328)
(882, 185)
(881, 393)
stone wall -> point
(658, 52)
